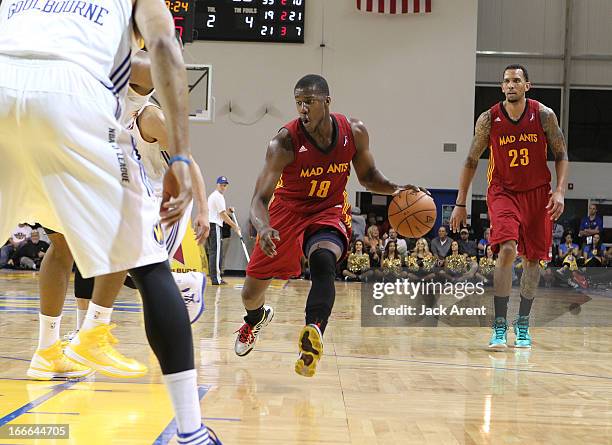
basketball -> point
(412, 214)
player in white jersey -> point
(69, 163)
(147, 125)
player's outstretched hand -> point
(266, 241)
(201, 227)
(176, 193)
(458, 218)
(556, 204)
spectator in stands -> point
(373, 245)
(569, 265)
(41, 232)
(484, 242)
(594, 253)
(568, 247)
(30, 254)
(456, 265)
(359, 224)
(608, 257)
(441, 245)
(358, 264)
(402, 247)
(391, 269)
(20, 235)
(590, 225)
(373, 220)
(557, 234)
(467, 245)
(486, 266)
(421, 263)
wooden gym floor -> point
(374, 385)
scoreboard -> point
(183, 13)
(239, 20)
(250, 20)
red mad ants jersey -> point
(518, 149)
(315, 180)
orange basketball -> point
(412, 214)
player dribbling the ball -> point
(300, 206)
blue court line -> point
(460, 365)
(68, 303)
(45, 412)
(17, 309)
(170, 431)
(423, 362)
(84, 379)
(7, 297)
(103, 390)
(225, 419)
(428, 362)
(18, 338)
(14, 358)
(33, 404)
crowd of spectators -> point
(379, 254)
(25, 249)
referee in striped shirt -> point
(217, 215)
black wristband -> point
(460, 205)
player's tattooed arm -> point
(278, 156)
(479, 145)
(368, 174)
(556, 142)
(480, 140)
(554, 135)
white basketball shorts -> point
(174, 234)
(68, 164)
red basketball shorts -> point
(521, 216)
(293, 227)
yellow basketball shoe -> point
(51, 363)
(311, 350)
(94, 348)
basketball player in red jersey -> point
(521, 203)
(300, 207)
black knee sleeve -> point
(83, 287)
(129, 282)
(166, 319)
(322, 293)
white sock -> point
(96, 316)
(81, 314)
(183, 389)
(48, 330)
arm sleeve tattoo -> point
(554, 135)
(480, 140)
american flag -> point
(395, 6)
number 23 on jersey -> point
(518, 157)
